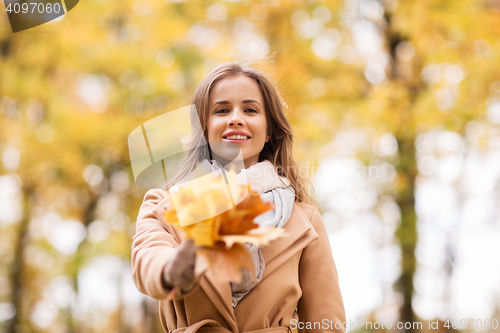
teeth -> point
(237, 137)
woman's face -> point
(237, 108)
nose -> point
(236, 118)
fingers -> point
(180, 271)
(187, 247)
(188, 275)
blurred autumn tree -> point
(71, 91)
(440, 72)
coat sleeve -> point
(321, 300)
(153, 246)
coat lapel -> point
(221, 296)
(299, 234)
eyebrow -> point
(245, 101)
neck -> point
(237, 163)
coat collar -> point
(299, 233)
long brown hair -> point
(278, 150)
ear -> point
(268, 137)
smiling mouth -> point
(236, 138)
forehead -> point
(235, 88)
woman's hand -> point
(179, 271)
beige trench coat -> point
(299, 286)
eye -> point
(220, 111)
(252, 110)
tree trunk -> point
(407, 230)
(17, 278)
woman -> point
(296, 284)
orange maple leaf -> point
(226, 264)
(241, 218)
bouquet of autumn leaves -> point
(219, 217)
